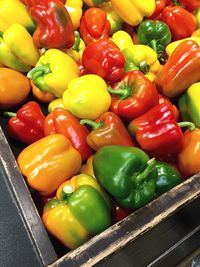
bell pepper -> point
(156, 34)
(41, 96)
(13, 11)
(112, 16)
(175, 17)
(53, 72)
(190, 5)
(196, 34)
(27, 124)
(133, 95)
(104, 59)
(56, 103)
(49, 162)
(189, 157)
(143, 58)
(68, 217)
(14, 88)
(107, 130)
(133, 12)
(171, 47)
(189, 104)
(164, 99)
(119, 213)
(94, 25)
(54, 25)
(181, 69)
(158, 131)
(74, 7)
(127, 174)
(197, 15)
(12, 54)
(122, 39)
(92, 3)
(63, 122)
(87, 168)
(168, 177)
(83, 95)
(160, 5)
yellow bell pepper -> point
(53, 71)
(14, 11)
(88, 167)
(49, 162)
(197, 15)
(112, 16)
(56, 103)
(12, 54)
(143, 58)
(196, 33)
(74, 7)
(171, 47)
(92, 3)
(133, 11)
(87, 97)
(122, 39)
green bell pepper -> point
(168, 177)
(127, 174)
(155, 34)
(189, 105)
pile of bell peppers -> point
(104, 99)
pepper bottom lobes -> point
(127, 174)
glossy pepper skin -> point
(54, 25)
(183, 62)
(175, 17)
(168, 177)
(107, 130)
(68, 217)
(74, 7)
(83, 94)
(189, 157)
(157, 130)
(49, 162)
(140, 9)
(122, 39)
(155, 34)
(94, 25)
(27, 124)
(105, 59)
(20, 15)
(143, 58)
(63, 122)
(160, 5)
(53, 72)
(127, 174)
(189, 106)
(190, 5)
(12, 54)
(133, 95)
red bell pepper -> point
(94, 25)
(181, 69)
(54, 25)
(190, 5)
(107, 130)
(160, 5)
(105, 59)
(133, 95)
(63, 122)
(119, 213)
(157, 130)
(27, 124)
(30, 3)
(181, 22)
(164, 99)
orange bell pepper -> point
(40, 95)
(189, 157)
(88, 167)
(49, 162)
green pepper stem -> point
(77, 41)
(38, 71)
(189, 124)
(66, 192)
(142, 176)
(93, 124)
(144, 67)
(153, 44)
(9, 114)
(1, 34)
(123, 93)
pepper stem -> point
(93, 124)
(153, 44)
(144, 67)
(123, 93)
(66, 192)
(1, 34)
(189, 124)
(142, 176)
(9, 114)
(77, 41)
(38, 71)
